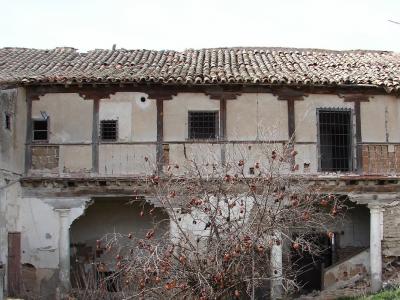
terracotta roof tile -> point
(286, 66)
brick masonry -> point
(45, 157)
(381, 159)
(391, 231)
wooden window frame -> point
(46, 141)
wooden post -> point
(28, 137)
(357, 99)
(14, 264)
(95, 136)
(160, 135)
(222, 129)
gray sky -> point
(180, 24)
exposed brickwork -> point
(381, 159)
(45, 157)
(391, 231)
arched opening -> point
(109, 218)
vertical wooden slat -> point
(14, 264)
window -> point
(7, 121)
(335, 139)
(203, 124)
(40, 130)
(109, 130)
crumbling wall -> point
(391, 231)
(338, 275)
(45, 158)
(39, 225)
(12, 140)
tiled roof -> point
(283, 66)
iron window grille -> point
(109, 130)
(203, 124)
(40, 130)
(7, 121)
(335, 140)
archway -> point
(107, 218)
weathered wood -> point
(357, 99)
(289, 94)
(14, 264)
(291, 120)
(222, 128)
(95, 136)
(133, 186)
(28, 137)
(166, 91)
(357, 112)
(160, 135)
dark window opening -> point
(7, 118)
(335, 140)
(40, 130)
(109, 130)
(203, 125)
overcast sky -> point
(180, 24)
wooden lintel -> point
(161, 95)
(216, 91)
(289, 94)
(96, 94)
(355, 97)
(222, 94)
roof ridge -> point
(271, 48)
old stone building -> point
(75, 128)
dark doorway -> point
(308, 267)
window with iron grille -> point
(109, 130)
(335, 140)
(203, 124)
(40, 130)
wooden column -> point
(14, 264)
(357, 99)
(223, 95)
(291, 119)
(160, 96)
(95, 136)
(222, 129)
(290, 96)
(160, 136)
(28, 137)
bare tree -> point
(225, 218)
